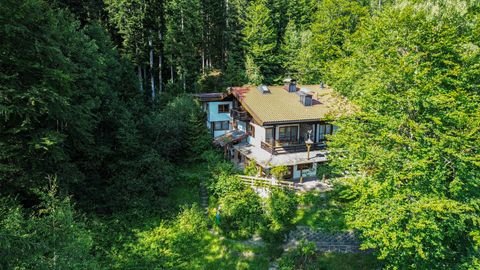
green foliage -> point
(251, 169)
(172, 245)
(50, 237)
(279, 172)
(409, 155)
(334, 23)
(260, 42)
(224, 184)
(183, 38)
(281, 208)
(69, 106)
(241, 213)
(325, 211)
(329, 261)
(300, 258)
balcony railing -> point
(239, 114)
(277, 148)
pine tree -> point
(290, 48)
(129, 18)
(260, 42)
(183, 41)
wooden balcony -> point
(278, 148)
(240, 114)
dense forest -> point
(102, 147)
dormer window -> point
(306, 100)
(306, 97)
(263, 89)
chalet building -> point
(273, 125)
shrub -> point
(241, 213)
(281, 209)
(299, 258)
(224, 184)
(170, 245)
(279, 172)
(251, 169)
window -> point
(269, 135)
(306, 166)
(304, 131)
(288, 134)
(325, 129)
(223, 108)
(221, 125)
(251, 130)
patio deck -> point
(267, 160)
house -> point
(282, 125)
(217, 106)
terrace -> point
(276, 147)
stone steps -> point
(324, 241)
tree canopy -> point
(100, 135)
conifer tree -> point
(260, 42)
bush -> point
(241, 213)
(225, 184)
(281, 209)
(279, 172)
(251, 169)
(170, 245)
(299, 258)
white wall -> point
(259, 136)
(306, 173)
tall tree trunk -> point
(144, 69)
(160, 62)
(171, 73)
(161, 31)
(203, 61)
(140, 81)
(184, 82)
(152, 78)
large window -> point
(223, 108)
(304, 131)
(269, 135)
(325, 129)
(221, 125)
(288, 134)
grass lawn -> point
(321, 211)
(232, 254)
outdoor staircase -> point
(343, 242)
